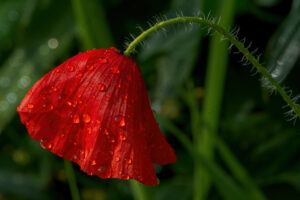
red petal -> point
(94, 110)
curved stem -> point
(239, 45)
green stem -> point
(227, 35)
(72, 180)
(139, 190)
(214, 88)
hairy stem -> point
(211, 24)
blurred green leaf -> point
(29, 61)
(24, 185)
(285, 46)
(92, 23)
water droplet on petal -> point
(101, 169)
(122, 137)
(122, 122)
(93, 162)
(106, 99)
(75, 157)
(129, 161)
(49, 146)
(79, 74)
(76, 119)
(57, 70)
(115, 70)
(91, 67)
(140, 178)
(117, 158)
(54, 89)
(69, 103)
(119, 85)
(98, 122)
(71, 68)
(101, 87)
(103, 60)
(86, 118)
(30, 106)
(89, 129)
(124, 176)
(126, 97)
(42, 144)
(106, 132)
(112, 140)
(51, 107)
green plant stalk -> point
(234, 166)
(237, 170)
(214, 86)
(232, 39)
(72, 180)
(140, 192)
(93, 27)
(227, 187)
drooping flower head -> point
(93, 109)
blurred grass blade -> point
(92, 24)
(284, 48)
(214, 86)
(10, 12)
(238, 171)
(140, 192)
(224, 183)
(21, 185)
(27, 63)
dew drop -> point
(57, 70)
(98, 122)
(75, 157)
(42, 144)
(91, 67)
(101, 169)
(69, 103)
(125, 97)
(54, 89)
(51, 107)
(122, 122)
(93, 162)
(119, 85)
(30, 106)
(76, 119)
(79, 74)
(140, 178)
(129, 161)
(71, 68)
(103, 60)
(117, 158)
(106, 99)
(49, 146)
(124, 176)
(106, 132)
(112, 140)
(101, 87)
(89, 129)
(115, 70)
(86, 118)
(122, 137)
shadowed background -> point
(204, 97)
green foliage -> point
(255, 150)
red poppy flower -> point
(94, 110)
